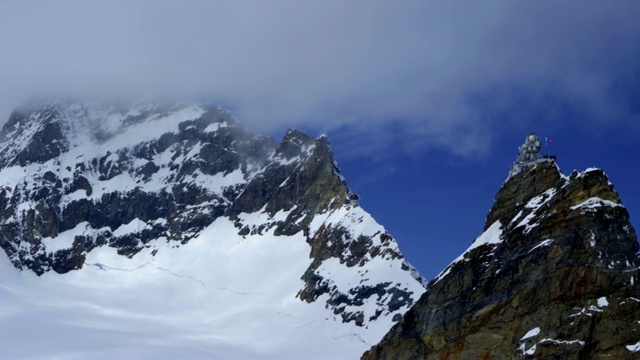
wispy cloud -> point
(440, 74)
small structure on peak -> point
(529, 154)
(530, 150)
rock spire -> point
(553, 276)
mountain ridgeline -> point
(554, 276)
(117, 192)
(76, 177)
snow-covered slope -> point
(217, 296)
(164, 231)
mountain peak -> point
(32, 137)
(553, 275)
(88, 188)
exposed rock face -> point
(554, 276)
(122, 177)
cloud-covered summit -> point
(447, 75)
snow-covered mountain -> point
(554, 275)
(169, 230)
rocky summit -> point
(554, 275)
(80, 181)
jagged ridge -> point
(80, 177)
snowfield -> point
(205, 299)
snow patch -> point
(65, 239)
(530, 351)
(534, 204)
(602, 302)
(541, 199)
(562, 342)
(215, 127)
(588, 170)
(542, 244)
(493, 235)
(595, 202)
(133, 227)
(634, 348)
(531, 333)
(582, 311)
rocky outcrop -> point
(310, 186)
(553, 276)
(35, 138)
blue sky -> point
(435, 203)
(425, 102)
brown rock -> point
(561, 282)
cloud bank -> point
(448, 75)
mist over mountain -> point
(163, 230)
(149, 229)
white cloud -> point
(443, 74)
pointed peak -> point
(555, 252)
(294, 143)
(296, 137)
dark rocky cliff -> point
(554, 276)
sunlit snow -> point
(595, 202)
(531, 333)
(493, 235)
(602, 302)
(634, 348)
(219, 296)
(542, 244)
